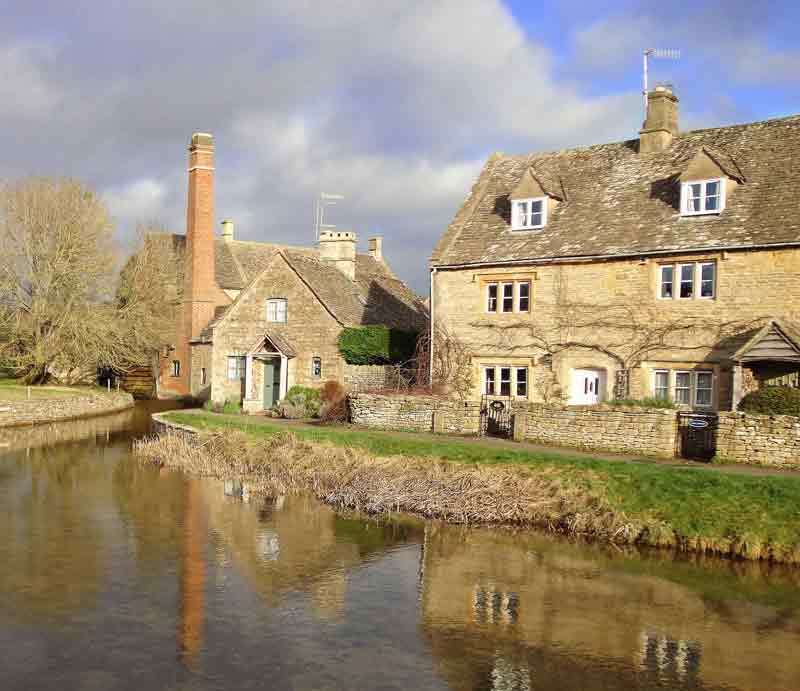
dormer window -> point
(527, 214)
(702, 197)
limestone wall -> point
(367, 377)
(80, 405)
(769, 440)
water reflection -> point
(119, 576)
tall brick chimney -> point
(199, 267)
(661, 124)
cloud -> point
(25, 90)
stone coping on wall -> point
(81, 405)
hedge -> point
(376, 345)
(772, 400)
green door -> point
(272, 383)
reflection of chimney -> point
(339, 247)
(191, 587)
(227, 230)
(376, 248)
(661, 124)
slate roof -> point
(620, 202)
(376, 296)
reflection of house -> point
(258, 318)
(634, 268)
(494, 604)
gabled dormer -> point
(534, 199)
(707, 181)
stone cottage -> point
(664, 266)
(258, 318)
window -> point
(687, 281)
(514, 296)
(523, 297)
(505, 381)
(203, 376)
(661, 384)
(316, 367)
(695, 280)
(522, 382)
(276, 310)
(491, 300)
(236, 367)
(488, 378)
(704, 388)
(176, 368)
(667, 274)
(508, 297)
(528, 213)
(683, 388)
(703, 197)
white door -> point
(587, 387)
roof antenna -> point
(324, 199)
(663, 53)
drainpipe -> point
(430, 347)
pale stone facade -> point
(751, 286)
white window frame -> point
(695, 388)
(516, 216)
(667, 389)
(697, 280)
(239, 369)
(685, 197)
(273, 306)
(489, 286)
(175, 368)
(518, 297)
(513, 380)
(499, 299)
(672, 383)
(683, 388)
(314, 360)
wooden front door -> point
(272, 382)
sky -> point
(393, 104)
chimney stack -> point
(376, 248)
(227, 230)
(339, 247)
(199, 278)
(661, 124)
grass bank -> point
(11, 390)
(692, 510)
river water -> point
(116, 576)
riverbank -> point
(693, 511)
(22, 406)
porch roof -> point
(774, 341)
(278, 341)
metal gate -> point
(697, 435)
(495, 417)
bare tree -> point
(61, 316)
(451, 363)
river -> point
(117, 576)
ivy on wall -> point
(376, 345)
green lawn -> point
(11, 390)
(695, 502)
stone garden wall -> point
(769, 440)
(52, 410)
(369, 377)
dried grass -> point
(346, 478)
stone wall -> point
(769, 440)
(641, 431)
(369, 377)
(81, 405)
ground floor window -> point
(316, 367)
(693, 388)
(236, 367)
(203, 376)
(176, 368)
(505, 380)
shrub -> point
(334, 403)
(232, 407)
(772, 400)
(300, 402)
(376, 345)
(647, 402)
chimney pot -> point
(227, 230)
(376, 248)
